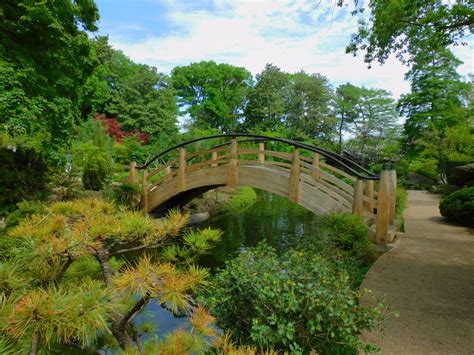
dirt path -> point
(428, 277)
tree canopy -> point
(407, 27)
(45, 56)
(212, 94)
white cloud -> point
(253, 33)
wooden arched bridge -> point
(315, 178)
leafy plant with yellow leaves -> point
(65, 286)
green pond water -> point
(272, 218)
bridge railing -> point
(366, 194)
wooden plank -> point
(294, 187)
(132, 175)
(330, 178)
(167, 166)
(280, 155)
(315, 162)
(338, 171)
(182, 169)
(233, 175)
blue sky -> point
(294, 35)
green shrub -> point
(343, 238)
(128, 195)
(402, 198)
(23, 175)
(24, 210)
(459, 206)
(426, 166)
(97, 169)
(297, 302)
(244, 198)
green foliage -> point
(244, 197)
(45, 57)
(459, 206)
(370, 117)
(297, 302)
(266, 106)
(213, 93)
(24, 209)
(437, 96)
(128, 195)
(92, 153)
(52, 286)
(402, 199)
(24, 174)
(426, 166)
(407, 28)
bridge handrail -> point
(342, 161)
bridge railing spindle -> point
(369, 192)
(393, 196)
(295, 175)
(261, 152)
(182, 169)
(132, 175)
(213, 159)
(383, 208)
(358, 203)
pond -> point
(272, 218)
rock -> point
(197, 218)
(418, 179)
(462, 175)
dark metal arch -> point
(343, 162)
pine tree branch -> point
(134, 311)
(35, 341)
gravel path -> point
(428, 278)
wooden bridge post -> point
(132, 175)
(213, 159)
(145, 190)
(369, 192)
(358, 203)
(393, 196)
(383, 208)
(182, 169)
(315, 173)
(294, 188)
(233, 174)
(261, 152)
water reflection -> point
(272, 217)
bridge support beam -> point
(132, 175)
(145, 190)
(233, 175)
(369, 192)
(358, 203)
(383, 208)
(295, 175)
(393, 196)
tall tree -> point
(407, 27)
(308, 112)
(347, 96)
(438, 97)
(374, 129)
(212, 94)
(266, 101)
(136, 94)
(45, 57)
